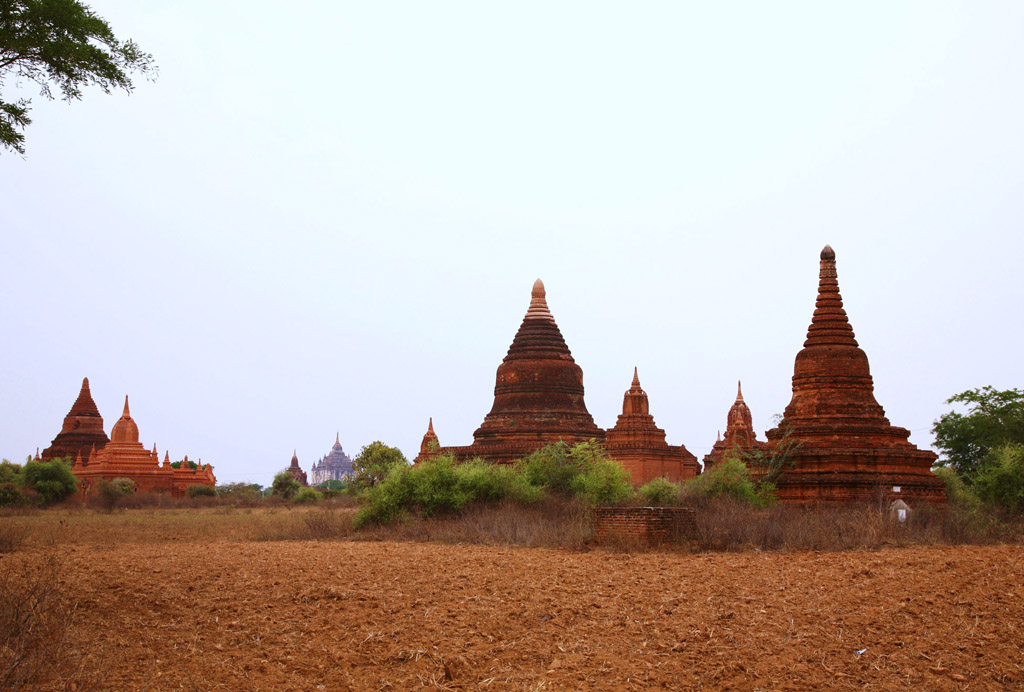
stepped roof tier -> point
(840, 446)
(82, 430)
(640, 446)
(295, 470)
(739, 433)
(125, 457)
(333, 466)
(538, 393)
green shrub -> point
(11, 473)
(51, 480)
(488, 482)
(442, 485)
(109, 492)
(602, 482)
(388, 500)
(660, 492)
(11, 495)
(731, 478)
(1000, 479)
(957, 493)
(307, 495)
(201, 491)
(284, 485)
(550, 467)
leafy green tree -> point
(374, 462)
(51, 480)
(332, 484)
(1000, 478)
(11, 480)
(177, 464)
(10, 473)
(993, 418)
(284, 485)
(60, 45)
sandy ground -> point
(397, 616)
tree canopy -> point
(374, 462)
(994, 418)
(60, 45)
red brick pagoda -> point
(429, 445)
(95, 457)
(538, 394)
(740, 438)
(82, 430)
(843, 447)
(639, 445)
(296, 471)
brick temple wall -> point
(644, 524)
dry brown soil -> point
(237, 615)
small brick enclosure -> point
(645, 524)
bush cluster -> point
(40, 482)
(442, 485)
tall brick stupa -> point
(842, 447)
(538, 394)
(82, 431)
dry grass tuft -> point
(34, 624)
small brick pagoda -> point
(740, 438)
(843, 447)
(430, 444)
(125, 457)
(538, 394)
(639, 445)
(82, 431)
(333, 466)
(295, 470)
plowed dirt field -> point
(398, 616)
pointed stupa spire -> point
(430, 426)
(636, 378)
(126, 413)
(538, 303)
(829, 324)
(337, 438)
(739, 390)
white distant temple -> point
(335, 466)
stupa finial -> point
(538, 303)
(739, 390)
(126, 413)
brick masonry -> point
(644, 524)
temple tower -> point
(739, 433)
(839, 443)
(82, 430)
(538, 393)
(430, 445)
(639, 444)
(295, 470)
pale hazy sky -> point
(328, 217)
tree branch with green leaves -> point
(62, 45)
